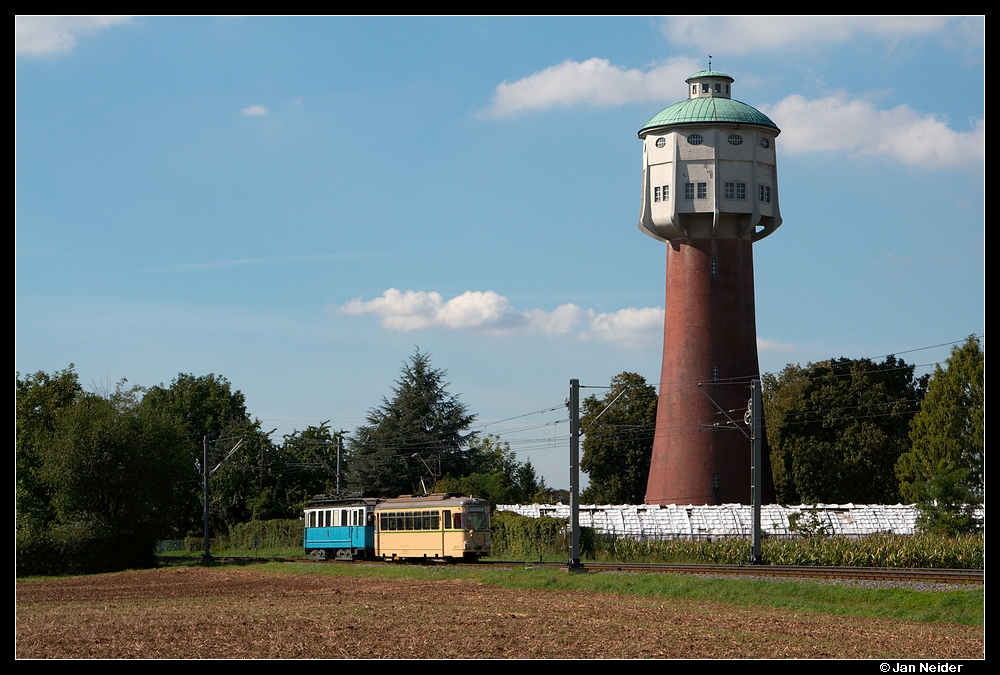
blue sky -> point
(298, 203)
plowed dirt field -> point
(238, 613)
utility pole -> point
(206, 557)
(756, 434)
(574, 474)
(340, 458)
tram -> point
(440, 526)
(340, 527)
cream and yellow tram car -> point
(438, 526)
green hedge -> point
(523, 538)
(197, 544)
(270, 534)
(81, 547)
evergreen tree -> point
(422, 426)
(943, 472)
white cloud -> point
(492, 313)
(836, 123)
(744, 34)
(42, 35)
(413, 310)
(633, 326)
(595, 82)
(765, 345)
(559, 320)
(254, 111)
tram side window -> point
(410, 520)
(447, 520)
(459, 521)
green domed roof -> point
(708, 110)
(709, 73)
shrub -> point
(82, 547)
(517, 536)
(269, 533)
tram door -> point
(345, 521)
(353, 522)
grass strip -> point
(961, 606)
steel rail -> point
(952, 576)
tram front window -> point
(478, 521)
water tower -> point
(709, 190)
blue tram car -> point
(342, 528)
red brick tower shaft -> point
(709, 339)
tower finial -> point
(709, 61)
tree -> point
(943, 471)
(209, 406)
(783, 394)
(304, 465)
(618, 441)
(38, 400)
(837, 428)
(422, 423)
(111, 466)
(496, 475)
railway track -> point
(949, 576)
